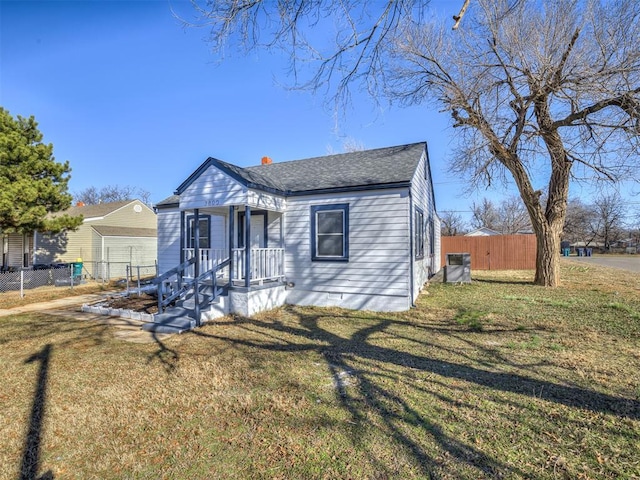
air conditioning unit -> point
(457, 268)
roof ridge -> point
(355, 152)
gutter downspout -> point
(411, 249)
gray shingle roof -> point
(354, 169)
(382, 166)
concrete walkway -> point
(57, 304)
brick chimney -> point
(266, 161)
(80, 204)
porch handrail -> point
(209, 258)
(266, 264)
(186, 285)
(164, 286)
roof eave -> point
(352, 188)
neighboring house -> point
(356, 230)
(112, 235)
(17, 251)
(482, 232)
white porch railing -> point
(266, 264)
(209, 258)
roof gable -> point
(390, 166)
(99, 210)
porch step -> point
(174, 320)
(205, 297)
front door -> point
(258, 222)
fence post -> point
(71, 275)
(127, 275)
(21, 283)
(138, 267)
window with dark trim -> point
(418, 228)
(205, 231)
(330, 232)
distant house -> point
(111, 236)
(482, 232)
(356, 230)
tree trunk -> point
(548, 256)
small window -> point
(204, 233)
(330, 232)
(418, 228)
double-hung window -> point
(330, 232)
(204, 231)
(418, 228)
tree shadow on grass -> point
(31, 453)
(167, 357)
(396, 413)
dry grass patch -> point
(547, 387)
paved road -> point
(625, 262)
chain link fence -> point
(68, 275)
(29, 279)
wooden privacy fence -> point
(494, 252)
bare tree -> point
(111, 193)
(452, 223)
(578, 222)
(485, 214)
(547, 88)
(607, 223)
(508, 217)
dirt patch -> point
(144, 303)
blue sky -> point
(130, 97)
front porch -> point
(265, 265)
(218, 274)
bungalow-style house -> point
(357, 230)
(112, 236)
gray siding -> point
(376, 277)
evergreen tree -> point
(34, 185)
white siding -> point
(168, 239)
(423, 198)
(274, 229)
(376, 277)
(266, 201)
(218, 232)
(213, 188)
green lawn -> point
(497, 379)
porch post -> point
(231, 224)
(196, 241)
(196, 266)
(247, 246)
(182, 239)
